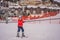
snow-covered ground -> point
(34, 31)
(39, 30)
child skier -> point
(20, 26)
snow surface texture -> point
(39, 30)
(57, 0)
(34, 31)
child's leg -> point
(18, 31)
(22, 31)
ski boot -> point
(23, 35)
(18, 35)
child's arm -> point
(23, 21)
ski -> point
(24, 36)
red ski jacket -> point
(20, 23)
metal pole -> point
(6, 18)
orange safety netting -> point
(38, 16)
